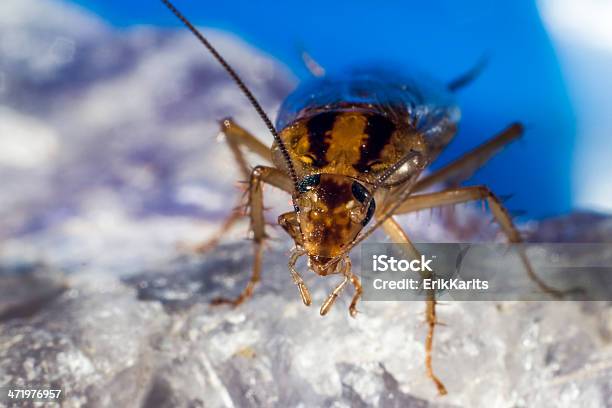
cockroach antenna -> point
(242, 87)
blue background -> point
(522, 81)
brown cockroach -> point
(352, 149)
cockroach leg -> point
(297, 279)
(356, 285)
(397, 234)
(213, 241)
(259, 176)
(358, 291)
(235, 136)
(430, 313)
(331, 299)
(466, 194)
(250, 287)
(463, 168)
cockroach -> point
(351, 150)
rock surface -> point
(152, 339)
(97, 299)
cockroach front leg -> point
(356, 285)
(358, 291)
(349, 276)
(397, 234)
(331, 299)
(297, 278)
(259, 176)
(288, 221)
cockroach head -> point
(331, 210)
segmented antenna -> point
(242, 87)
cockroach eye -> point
(308, 182)
(362, 195)
(360, 192)
(369, 212)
